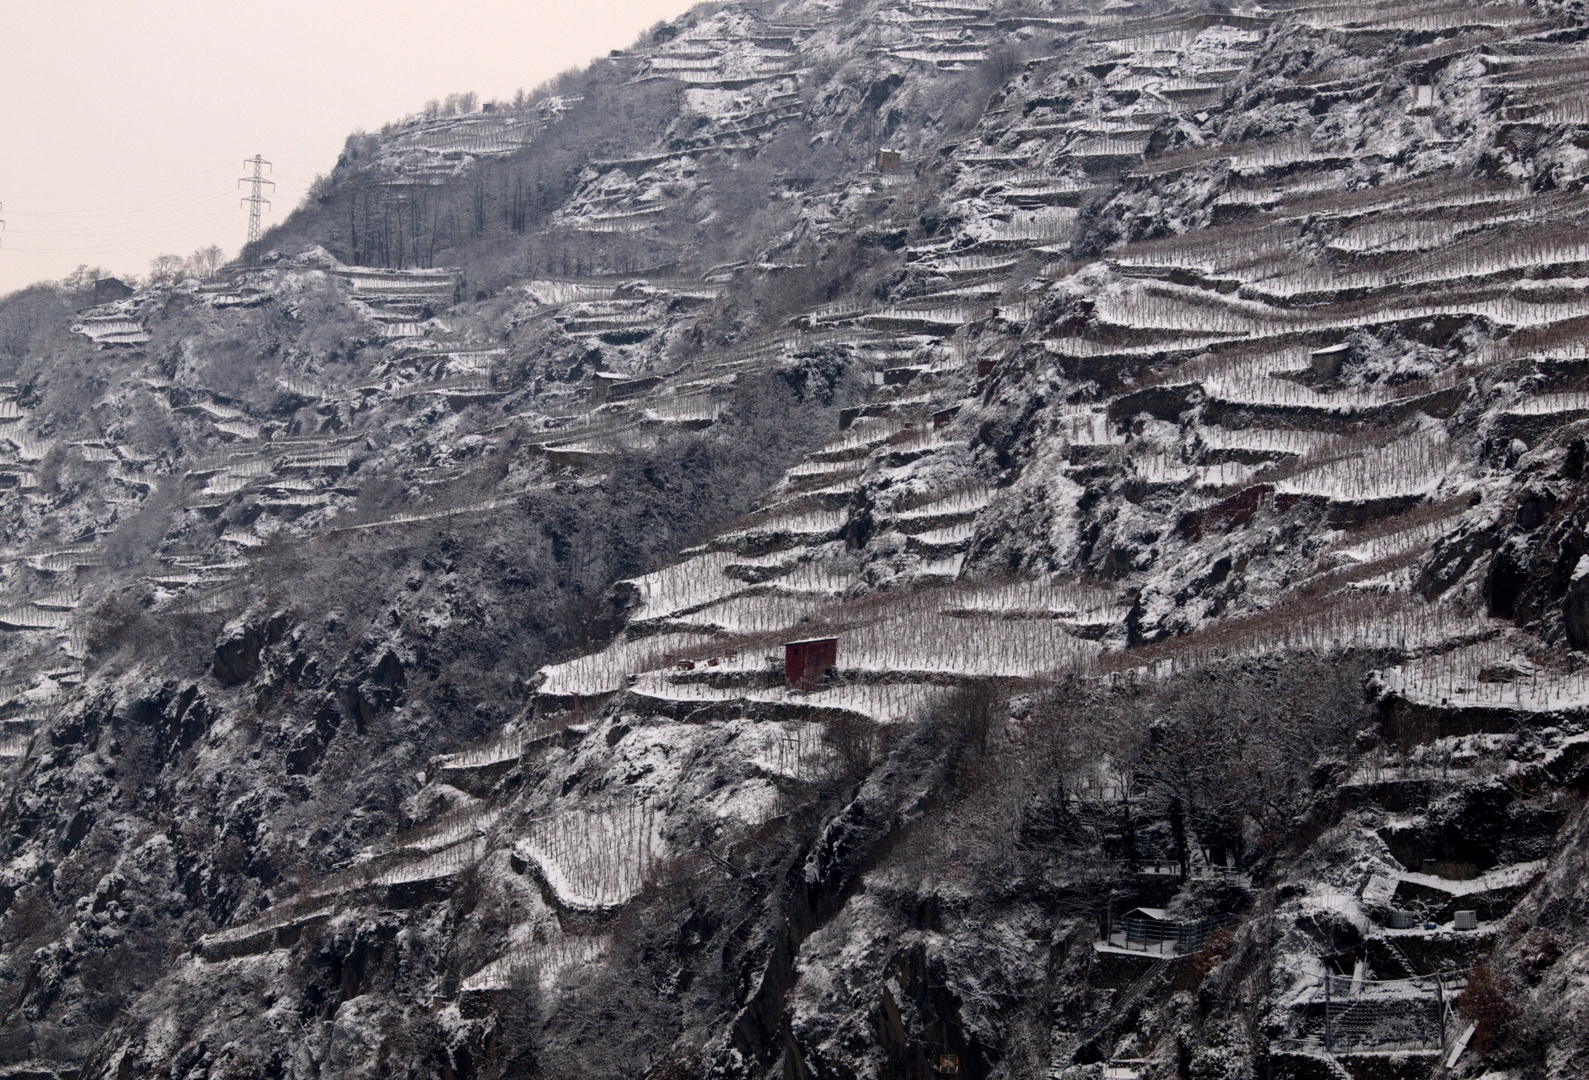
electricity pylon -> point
(257, 199)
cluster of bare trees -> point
(1216, 758)
(453, 105)
(168, 269)
(25, 317)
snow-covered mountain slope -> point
(1174, 416)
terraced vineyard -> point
(1171, 418)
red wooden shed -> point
(804, 662)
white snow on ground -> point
(1500, 878)
(1552, 404)
(606, 671)
(594, 857)
(682, 586)
(525, 960)
(1404, 466)
(1494, 672)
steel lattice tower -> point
(257, 199)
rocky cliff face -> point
(1176, 415)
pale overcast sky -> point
(124, 123)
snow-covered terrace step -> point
(881, 703)
(595, 323)
(499, 141)
(700, 61)
(299, 442)
(750, 609)
(1405, 468)
(1034, 193)
(1392, 232)
(941, 542)
(251, 298)
(1355, 19)
(1469, 690)
(237, 429)
(1257, 445)
(1267, 310)
(310, 462)
(524, 961)
(933, 320)
(617, 221)
(182, 579)
(698, 581)
(1092, 147)
(400, 884)
(948, 58)
(832, 491)
(63, 559)
(1494, 892)
(476, 769)
(892, 653)
(1190, 92)
(922, 637)
(376, 279)
(556, 291)
(951, 8)
(214, 410)
(242, 466)
(589, 428)
(1572, 403)
(112, 330)
(862, 440)
(453, 384)
(800, 527)
(743, 80)
(29, 617)
(813, 473)
(978, 293)
(967, 265)
(380, 284)
(59, 600)
(1091, 127)
(254, 939)
(593, 859)
(96, 451)
(934, 517)
(1549, 110)
(28, 446)
(136, 337)
(994, 162)
(485, 506)
(404, 301)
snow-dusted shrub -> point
(1221, 1051)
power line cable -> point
(136, 225)
(121, 249)
(135, 237)
(150, 206)
(219, 169)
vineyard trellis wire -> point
(596, 855)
